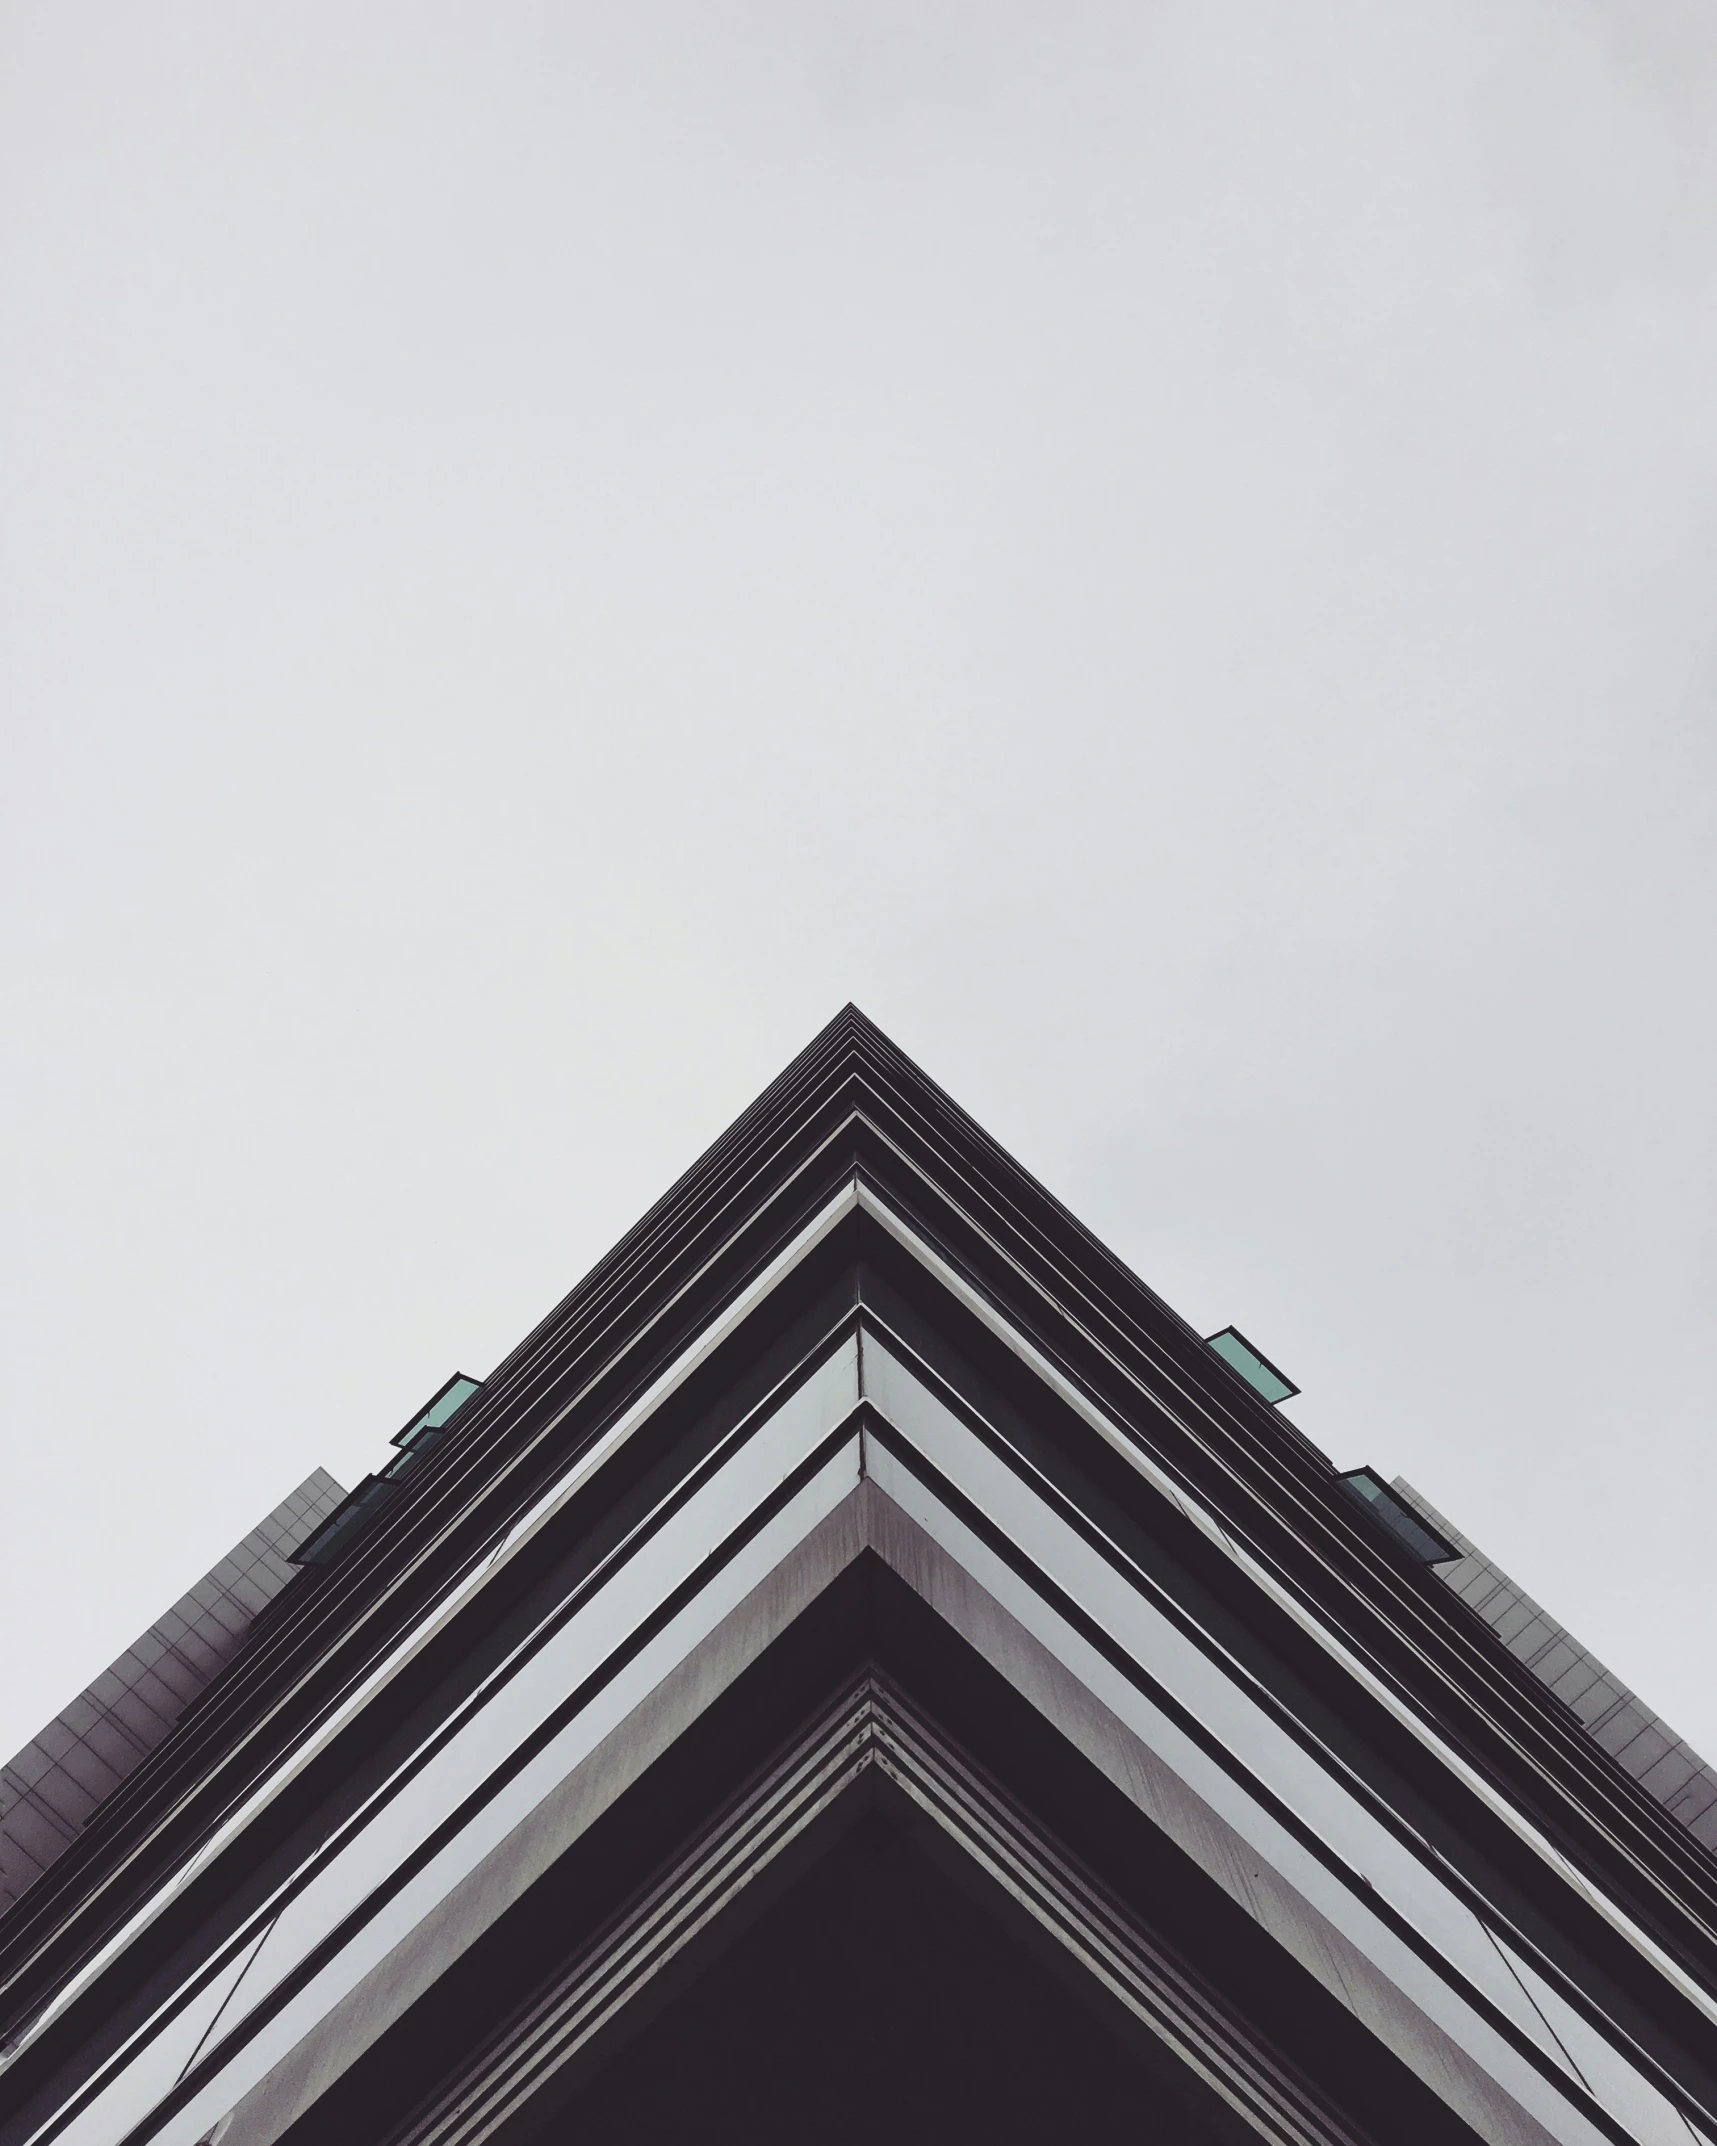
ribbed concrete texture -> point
(1626, 1727)
(49, 1790)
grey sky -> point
(1166, 550)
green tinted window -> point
(446, 1404)
(1258, 1371)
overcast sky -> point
(1166, 550)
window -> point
(337, 1533)
(1256, 1369)
(433, 1420)
(1414, 1533)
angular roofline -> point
(852, 1110)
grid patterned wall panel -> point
(1627, 1728)
(49, 1789)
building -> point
(864, 1667)
(1635, 1737)
(49, 1790)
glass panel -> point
(1258, 1372)
(1401, 1521)
(1631, 2098)
(440, 1411)
(1381, 1865)
(522, 1695)
(334, 1537)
